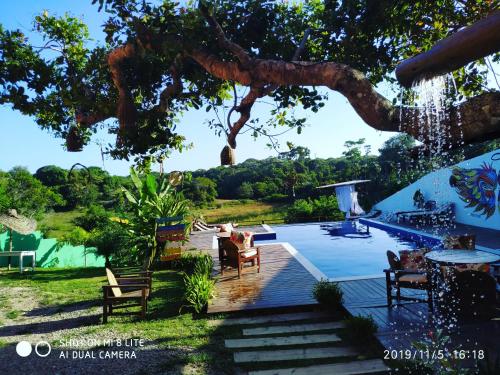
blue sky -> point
(23, 143)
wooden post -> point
(10, 246)
(469, 44)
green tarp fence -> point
(48, 252)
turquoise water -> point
(343, 249)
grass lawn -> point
(59, 223)
(244, 212)
(171, 330)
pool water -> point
(343, 249)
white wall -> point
(436, 186)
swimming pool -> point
(347, 249)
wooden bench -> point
(122, 290)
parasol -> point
(17, 223)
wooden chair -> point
(406, 279)
(122, 290)
(236, 258)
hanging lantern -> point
(227, 156)
(175, 178)
(74, 140)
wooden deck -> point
(285, 283)
(282, 282)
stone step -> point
(346, 368)
(281, 341)
(293, 354)
(271, 330)
(265, 319)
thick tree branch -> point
(126, 111)
(243, 57)
(244, 109)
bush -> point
(204, 264)
(276, 198)
(323, 208)
(359, 329)
(191, 263)
(199, 289)
(94, 217)
(328, 294)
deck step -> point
(264, 319)
(293, 354)
(347, 368)
(292, 328)
(281, 341)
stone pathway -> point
(282, 344)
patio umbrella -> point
(17, 223)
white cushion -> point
(249, 253)
(414, 278)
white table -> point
(451, 257)
(21, 255)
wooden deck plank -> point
(281, 341)
(368, 366)
(282, 282)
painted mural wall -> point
(48, 252)
(472, 185)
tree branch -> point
(243, 57)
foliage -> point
(323, 208)
(359, 329)
(94, 217)
(149, 202)
(200, 190)
(328, 294)
(194, 262)
(112, 242)
(204, 264)
(199, 289)
(20, 190)
(73, 81)
(443, 362)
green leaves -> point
(148, 202)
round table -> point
(451, 257)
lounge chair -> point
(441, 213)
(237, 252)
(402, 276)
(121, 290)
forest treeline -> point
(291, 177)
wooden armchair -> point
(236, 257)
(122, 290)
(396, 276)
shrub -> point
(323, 208)
(94, 217)
(204, 264)
(359, 329)
(192, 262)
(328, 294)
(199, 289)
(276, 197)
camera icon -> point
(42, 348)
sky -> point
(23, 143)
